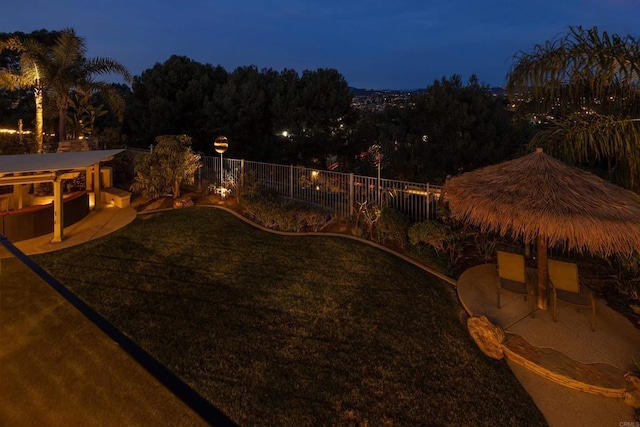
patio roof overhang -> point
(53, 162)
(53, 167)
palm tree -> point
(69, 69)
(585, 87)
(29, 75)
(58, 69)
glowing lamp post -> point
(220, 145)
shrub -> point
(16, 144)
(369, 213)
(441, 238)
(393, 226)
(171, 164)
(249, 185)
(431, 233)
(628, 275)
(282, 214)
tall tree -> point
(173, 98)
(17, 82)
(321, 103)
(584, 86)
(449, 128)
(68, 68)
(56, 69)
(27, 74)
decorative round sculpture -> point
(221, 144)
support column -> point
(24, 194)
(96, 184)
(17, 197)
(543, 277)
(58, 211)
(89, 179)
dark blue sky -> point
(391, 44)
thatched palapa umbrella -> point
(538, 198)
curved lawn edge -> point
(410, 260)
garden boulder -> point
(183, 202)
(487, 336)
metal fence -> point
(341, 193)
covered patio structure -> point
(25, 169)
(541, 200)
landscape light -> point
(221, 144)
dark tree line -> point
(267, 115)
(294, 118)
(447, 129)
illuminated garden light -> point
(220, 145)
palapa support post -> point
(543, 277)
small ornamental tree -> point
(170, 164)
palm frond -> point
(582, 59)
(97, 66)
(581, 137)
(112, 96)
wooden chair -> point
(512, 275)
(565, 286)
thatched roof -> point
(537, 194)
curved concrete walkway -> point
(97, 224)
(566, 350)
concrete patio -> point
(549, 355)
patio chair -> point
(512, 275)
(565, 286)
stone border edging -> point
(616, 393)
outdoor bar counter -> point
(34, 221)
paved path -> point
(95, 225)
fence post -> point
(242, 173)
(291, 181)
(428, 202)
(351, 196)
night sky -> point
(391, 44)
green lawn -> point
(292, 330)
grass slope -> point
(292, 330)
